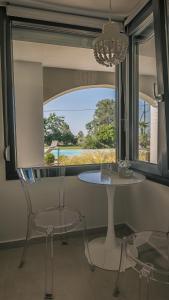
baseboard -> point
(119, 228)
(40, 238)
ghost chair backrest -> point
(28, 176)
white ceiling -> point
(57, 56)
(118, 6)
(122, 8)
(72, 57)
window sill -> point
(154, 177)
(76, 170)
(52, 171)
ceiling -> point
(122, 8)
(118, 6)
(72, 57)
(61, 56)
(57, 56)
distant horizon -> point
(78, 107)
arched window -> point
(80, 126)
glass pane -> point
(69, 99)
(147, 107)
(80, 126)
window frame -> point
(7, 95)
(8, 92)
(154, 10)
(134, 77)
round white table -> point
(105, 251)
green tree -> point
(106, 136)
(104, 114)
(80, 137)
(101, 130)
(91, 142)
(55, 128)
(144, 140)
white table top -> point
(96, 177)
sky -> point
(78, 106)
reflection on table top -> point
(96, 177)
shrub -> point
(90, 157)
(49, 158)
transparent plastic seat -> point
(57, 220)
(151, 262)
(63, 220)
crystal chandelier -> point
(111, 46)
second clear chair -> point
(151, 262)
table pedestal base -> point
(108, 258)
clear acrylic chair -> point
(151, 262)
(56, 220)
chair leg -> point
(28, 234)
(116, 290)
(148, 285)
(86, 243)
(146, 273)
(49, 266)
(146, 296)
(140, 288)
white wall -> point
(148, 206)
(57, 80)
(89, 199)
(142, 206)
(28, 80)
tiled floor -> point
(73, 278)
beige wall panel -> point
(28, 79)
(57, 81)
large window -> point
(148, 90)
(65, 106)
(51, 61)
(144, 106)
